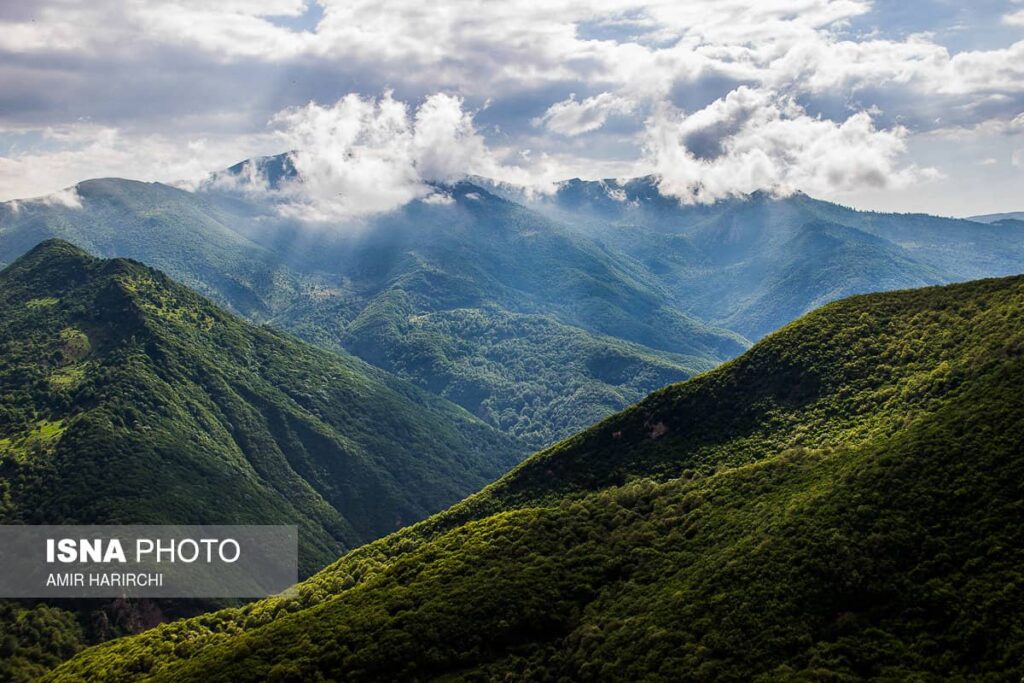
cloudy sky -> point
(894, 105)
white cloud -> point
(67, 198)
(483, 44)
(359, 156)
(354, 158)
(486, 47)
(994, 128)
(230, 29)
(233, 30)
(445, 144)
(756, 139)
(572, 117)
(82, 151)
(362, 156)
(1014, 18)
(439, 198)
(916, 66)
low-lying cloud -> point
(364, 155)
(84, 150)
(67, 198)
(573, 117)
(759, 140)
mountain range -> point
(841, 502)
(538, 313)
(572, 333)
(754, 263)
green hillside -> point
(126, 398)
(528, 375)
(842, 502)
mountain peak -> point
(266, 171)
(53, 248)
(50, 266)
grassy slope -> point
(843, 501)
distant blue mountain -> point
(733, 263)
(998, 217)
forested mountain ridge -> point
(998, 217)
(841, 502)
(127, 398)
(467, 299)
